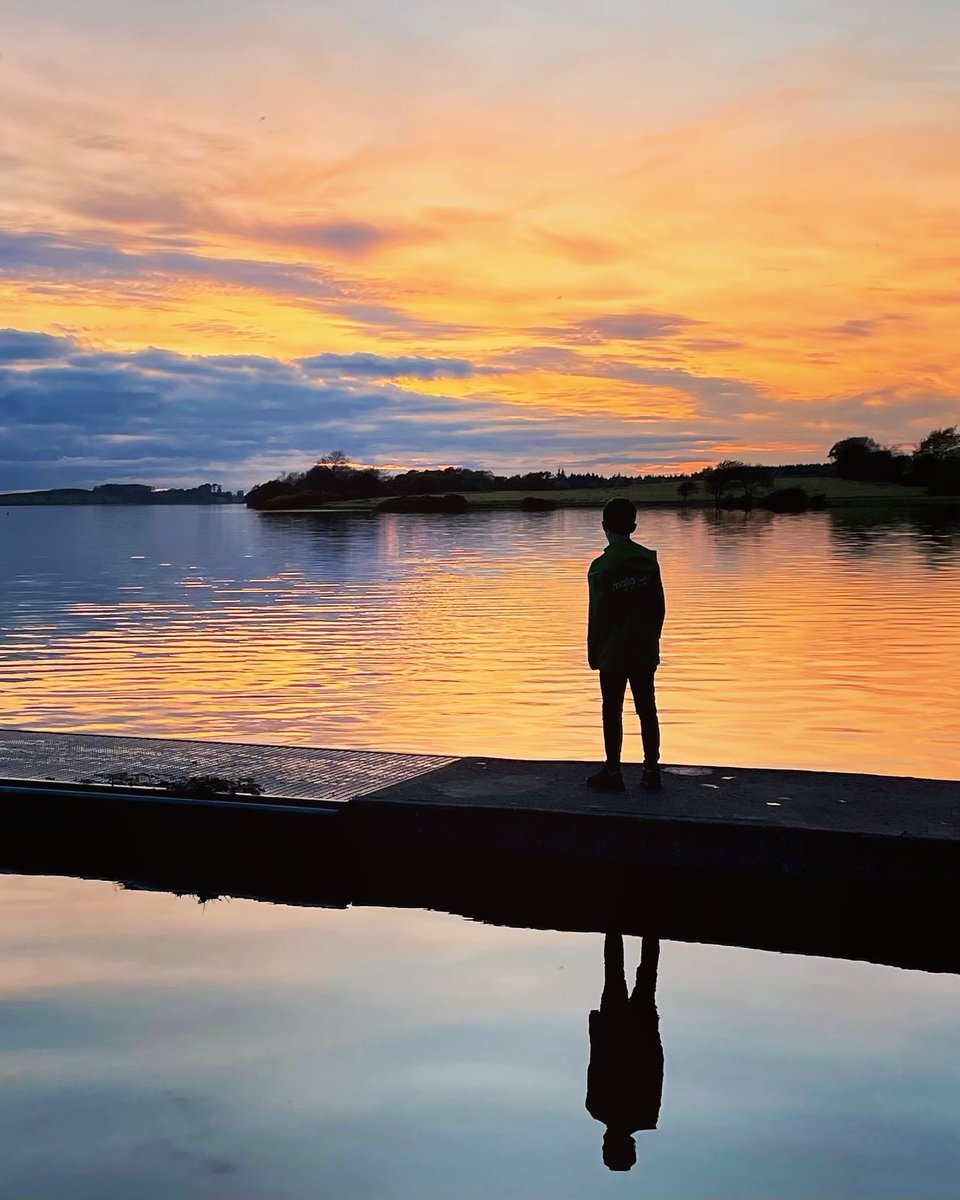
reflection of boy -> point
(623, 641)
(625, 1076)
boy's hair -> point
(620, 515)
(619, 1150)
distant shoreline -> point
(651, 494)
(6, 502)
(120, 496)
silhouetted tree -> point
(936, 461)
(940, 443)
(338, 463)
(686, 489)
(751, 480)
(717, 480)
(447, 479)
(258, 496)
(850, 456)
(330, 478)
(864, 459)
(540, 481)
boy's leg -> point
(645, 702)
(645, 987)
(613, 686)
(614, 977)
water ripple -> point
(821, 641)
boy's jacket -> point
(626, 609)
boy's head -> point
(619, 1150)
(620, 516)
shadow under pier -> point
(819, 863)
(354, 854)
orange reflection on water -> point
(813, 642)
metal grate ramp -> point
(291, 772)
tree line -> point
(934, 464)
(124, 493)
(334, 477)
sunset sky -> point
(595, 234)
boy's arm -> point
(661, 603)
(594, 621)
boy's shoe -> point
(650, 779)
(607, 779)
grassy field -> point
(839, 493)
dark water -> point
(154, 1047)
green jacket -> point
(626, 608)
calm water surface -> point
(153, 1047)
(822, 641)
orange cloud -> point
(782, 224)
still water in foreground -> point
(824, 641)
(152, 1047)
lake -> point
(823, 641)
(152, 1046)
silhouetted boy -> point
(625, 1076)
(623, 641)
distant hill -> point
(124, 493)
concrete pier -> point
(789, 824)
(810, 862)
